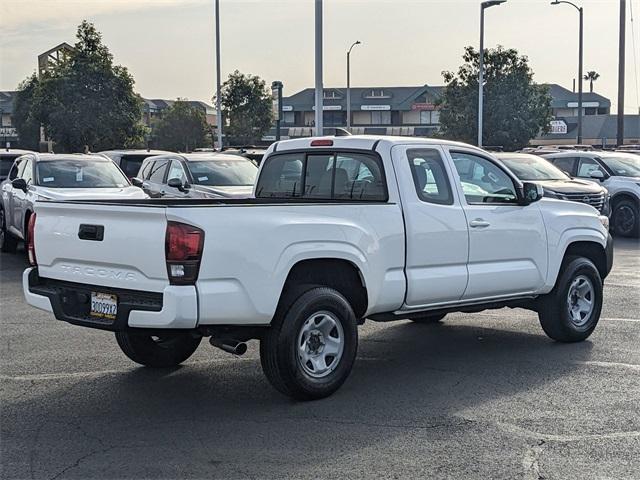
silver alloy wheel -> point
(320, 344)
(580, 300)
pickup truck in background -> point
(341, 229)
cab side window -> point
(482, 180)
(430, 176)
(566, 164)
(586, 166)
(176, 171)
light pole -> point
(483, 6)
(218, 103)
(319, 92)
(580, 50)
(357, 42)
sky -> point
(169, 47)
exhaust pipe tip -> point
(230, 346)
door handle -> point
(479, 223)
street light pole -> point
(580, 63)
(218, 103)
(483, 6)
(357, 42)
(319, 92)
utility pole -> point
(483, 7)
(319, 92)
(621, 60)
(218, 103)
(357, 42)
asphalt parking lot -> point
(479, 396)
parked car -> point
(197, 175)
(46, 176)
(7, 157)
(130, 161)
(555, 183)
(255, 154)
(617, 172)
(343, 229)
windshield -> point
(223, 173)
(80, 174)
(624, 165)
(531, 168)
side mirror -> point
(19, 184)
(177, 183)
(531, 192)
(597, 174)
(137, 182)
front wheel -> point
(570, 312)
(626, 218)
(158, 351)
(310, 348)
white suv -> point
(619, 173)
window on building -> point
(288, 117)
(331, 94)
(377, 93)
(381, 118)
(590, 111)
(602, 111)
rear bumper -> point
(175, 308)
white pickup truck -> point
(342, 229)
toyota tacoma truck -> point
(340, 229)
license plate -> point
(104, 305)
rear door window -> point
(429, 176)
(144, 171)
(323, 176)
(588, 165)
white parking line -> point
(595, 363)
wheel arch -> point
(590, 250)
(338, 273)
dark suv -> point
(130, 161)
(197, 175)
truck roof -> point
(360, 142)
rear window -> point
(130, 164)
(323, 176)
(5, 164)
(79, 174)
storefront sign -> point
(287, 108)
(329, 107)
(8, 132)
(375, 107)
(558, 127)
(423, 106)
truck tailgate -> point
(109, 245)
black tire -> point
(8, 243)
(554, 310)
(158, 351)
(427, 319)
(279, 352)
(625, 219)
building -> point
(597, 130)
(410, 111)
(154, 107)
(8, 132)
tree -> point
(515, 108)
(246, 104)
(86, 100)
(25, 118)
(591, 77)
(182, 127)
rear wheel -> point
(159, 351)
(311, 346)
(626, 218)
(8, 243)
(570, 312)
(437, 318)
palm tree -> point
(591, 76)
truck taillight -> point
(31, 240)
(183, 252)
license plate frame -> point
(103, 305)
